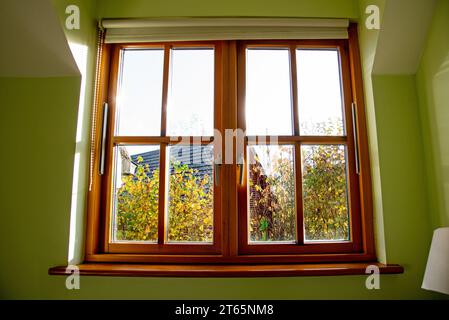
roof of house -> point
(196, 157)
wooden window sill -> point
(280, 270)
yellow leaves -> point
(190, 206)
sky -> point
(190, 109)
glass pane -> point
(268, 96)
(140, 95)
(319, 92)
(136, 193)
(190, 110)
(325, 197)
(190, 194)
(271, 193)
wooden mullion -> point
(165, 90)
(299, 199)
(161, 228)
(294, 90)
(297, 158)
(293, 139)
(231, 119)
(167, 140)
(242, 197)
(161, 234)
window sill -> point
(281, 270)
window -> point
(230, 152)
(159, 194)
(296, 197)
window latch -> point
(217, 169)
(240, 163)
(103, 137)
(356, 140)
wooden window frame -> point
(230, 247)
(163, 141)
(297, 140)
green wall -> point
(83, 44)
(368, 43)
(35, 206)
(433, 91)
(402, 167)
(193, 8)
(38, 119)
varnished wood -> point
(304, 43)
(231, 122)
(107, 189)
(299, 196)
(353, 190)
(294, 90)
(93, 223)
(173, 44)
(161, 223)
(162, 139)
(297, 140)
(165, 84)
(279, 270)
(161, 247)
(242, 189)
(164, 247)
(222, 259)
(293, 139)
(366, 196)
(218, 234)
(299, 209)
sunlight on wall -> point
(441, 100)
(80, 54)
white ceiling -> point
(33, 42)
(402, 37)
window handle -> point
(217, 170)
(356, 140)
(103, 137)
(240, 163)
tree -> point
(190, 205)
(272, 196)
(190, 209)
(137, 205)
(324, 193)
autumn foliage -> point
(190, 205)
(272, 199)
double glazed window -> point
(296, 196)
(229, 152)
(162, 197)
